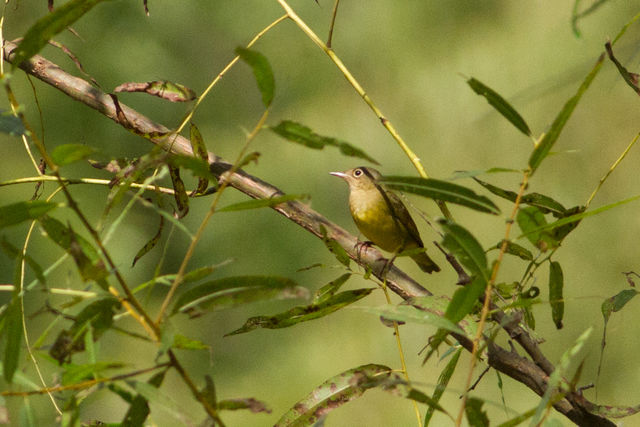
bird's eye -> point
(357, 172)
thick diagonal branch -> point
(532, 373)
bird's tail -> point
(425, 263)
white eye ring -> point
(357, 172)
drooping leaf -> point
(465, 247)
(76, 373)
(501, 105)
(197, 166)
(232, 291)
(249, 403)
(200, 149)
(549, 139)
(13, 337)
(334, 247)
(180, 192)
(556, 284)
(15, 213)
(298, 133)
(70, 153)
(262, 71)
(174, 92)
(150, 244)
(304, 313)
(443, 381)
(11, 124)
(263, 203)
(441, 190)
(329, 290)
(139, 409)
(630, 78)
(51, 24)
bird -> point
(381, 216)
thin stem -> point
(224, 71)
(205, 221)
(487, 295)
(333, 22)
(611, 169)
(95, 181)
(401, 353)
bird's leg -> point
(360, 245)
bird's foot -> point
(360, 246)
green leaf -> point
(465, 247)
(70, 153)
(411, 314)
(262, 71)
(516, 250)
(556, 377)
(334, 247)
(303, 313)
(150, 244)
(328, 290)
(263, 203)
(17, 254)
(139, 409)
(51, 24)
(249, 403)
(475, 415)
(531, 222)
(13, 339)
(180, 192)
(465, 299)
(232, 291)
(199, 149)
(89, 263)
(184, 343)
(197, 166)
(333, 393)
(174, 92)
(298, 133)
(630, 78)
(544, 145)
(443, 381)
(501, 105)
(76, 373)
(556, 283)
(153, 395)
(15, 213)
(545, 203)
(11, 124)
(441, 190)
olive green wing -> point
(401, 214)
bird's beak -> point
(339, 174)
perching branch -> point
(533, 373)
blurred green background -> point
(412, 58)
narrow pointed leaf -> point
(441, 190)
(500, 104)
(15, 213)
(13, 337)
(197, 166)
(333, 393)
(263, 203)
(549, 139)
(516, 250)
(262, 71)
(180, 192)
(328, 290)
(465, 299)
(475, 415)
(76, 373)
(200, 149)
(304, 313)
(334, 247)
(556, 284)
(150, 244)
(17, 254)
(630, 78)
(51, 24)
(465, 247)
(443, 381)
(232, 291)
(298, 133)
(70, 153)
(139, 409)
(410, 314)
(545, 203)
